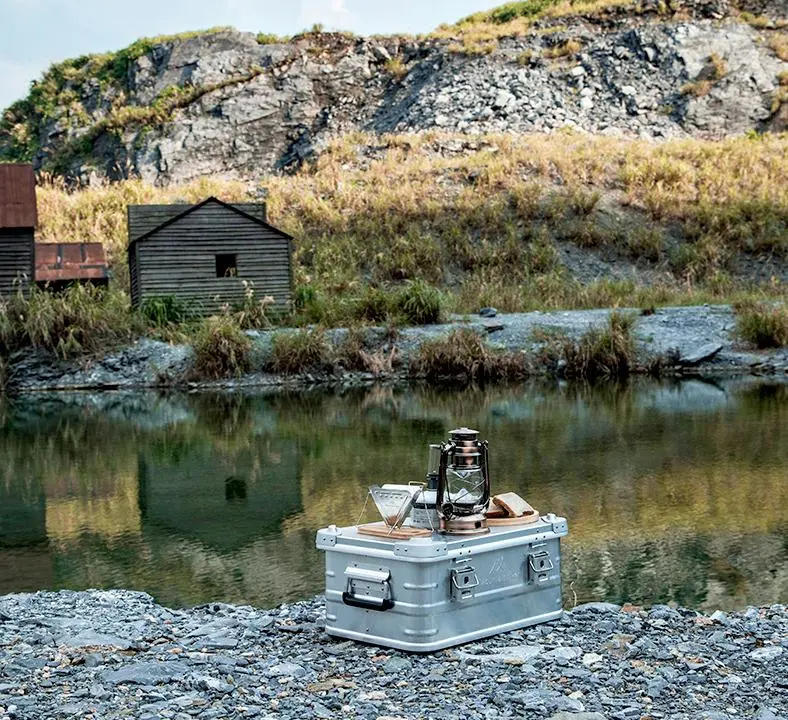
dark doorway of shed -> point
(226, 266)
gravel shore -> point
(117, 654)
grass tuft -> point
(161, 311)
(299, 351)
(779, 43)
(565, 49)
(397, 68)
(420, 303)
(463, 353)
(599, 354)
(221, 348)
(764, 324)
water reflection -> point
(674, 491)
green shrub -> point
(309, 304)
(221, 348)
(270, 39)
(420, 303)
(647, 242)
(397, 68)
(513, 10)
(763, 324)
(164, 310)
(297, 352)
(463, 353)
(373, 305)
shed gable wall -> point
(180, 260)
(143, 219)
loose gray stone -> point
(286, 670)
(564, 653)
(144, 673)
(511, 654)
(397, 665)
(596, 607)
(701, 354)
(764, 654)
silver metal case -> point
(429, 593)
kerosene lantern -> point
(463, 491)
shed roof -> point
(57, 262)
(17, 196)
(140, 230)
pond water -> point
(674, 491)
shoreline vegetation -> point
(405, 230)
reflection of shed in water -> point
(25, 558)
(23, 518)
(224, 499)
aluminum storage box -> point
(428, 593)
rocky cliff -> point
(226, 103)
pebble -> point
(599, 661)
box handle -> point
(539, 564)
(367, 603)
(463, 581)
(372, 581)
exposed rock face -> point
(260, 108)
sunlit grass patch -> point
(463, 353)
(763, 323)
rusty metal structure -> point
(18, 219)
(61, 264)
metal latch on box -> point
(539, 565)
(463, 581)
(368, 589)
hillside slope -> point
(233, 105)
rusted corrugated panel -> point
(17, 196)
(57, 262)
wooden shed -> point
(18, 219)
(202, 254)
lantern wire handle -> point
(363, 509)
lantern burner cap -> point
(463, 433)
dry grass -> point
(715, 69)
(565, 49)
(764, 324)
(397, 68)
(82, 320)
(464, 354)
(600, 354)
(779, 43)
(485, 217)
(484, 29)
(221, 349)
(300, 351)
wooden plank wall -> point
(134, 285)
(145, 218)
(180, 260)
(16, 258)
